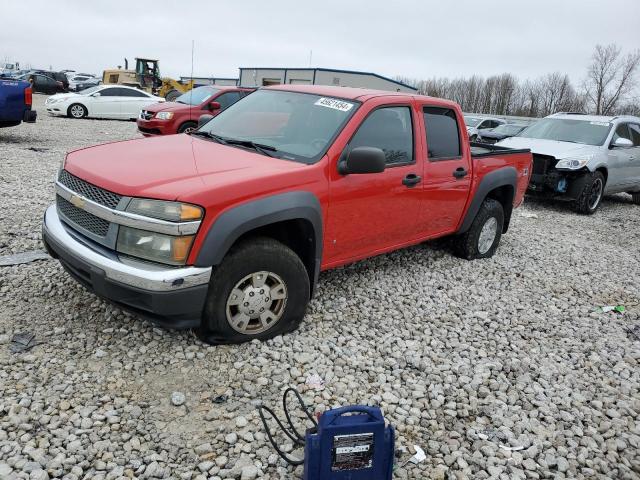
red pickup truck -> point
(227, 229)
(181, 115)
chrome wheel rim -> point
(188, 129)
(596, 194)
(256, 303)
(487, 235)
(77, 111)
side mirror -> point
(204, 119)
(363, 160)
(622, 142)
(97, 94)
(215, 106)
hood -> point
(62, 96)
(490, 134)
(163, 106)
(169, 167)
(552, 148)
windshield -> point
(568, 130)
(508, 129)
(197, 95)
(472, 121)
(89, 91)
(299, 126)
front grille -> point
(542, 164)
(146, 115)
(83, 219)
(97, 194)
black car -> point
(43, 83)
(500, 133)
(59, 76)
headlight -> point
(574, 163)
(164, 115)
(163, 210)
(156, 247)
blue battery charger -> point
(350, 443)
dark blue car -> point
(500, 133)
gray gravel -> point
(500, 368)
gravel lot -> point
(466, 358)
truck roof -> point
(352, 93)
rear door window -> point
(443, 136)
(389, 129)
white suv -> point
(583, 157)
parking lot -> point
(497, 368)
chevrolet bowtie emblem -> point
(77, 201)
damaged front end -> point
(549, 181)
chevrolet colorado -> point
(227, 228)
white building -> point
(257, 77)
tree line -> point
(609, 88)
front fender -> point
(237, 221)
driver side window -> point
(389, 129)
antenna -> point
(193, 44)
(310, 56)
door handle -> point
(460, 172)
(411, 180)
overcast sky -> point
(412, 38)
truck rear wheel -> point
(172, 95)
(259, 291)
(589, 199)
(483, 237)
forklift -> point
(146, 76)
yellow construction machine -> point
(146, 76)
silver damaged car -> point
(581, 158)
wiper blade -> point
(212, 136)
(267, 150)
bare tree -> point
(610, 77)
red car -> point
(181, 116)
(227, 229)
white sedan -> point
(102, 101)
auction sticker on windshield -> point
(335, 104)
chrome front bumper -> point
(127, 272)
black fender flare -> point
(235, 222)
(507, 176)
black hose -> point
(293, 433)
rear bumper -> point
(171, 297)
(152, 128)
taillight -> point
(28, 96)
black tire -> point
(635, 197)
(591, 196)
(186, 127)
(172, 95)
(467, 245)
(77, 110)
(251, 257)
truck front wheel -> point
(260, 290)
(483, 237)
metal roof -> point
(317, 69)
